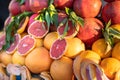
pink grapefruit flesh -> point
(58, 49)
(26, 44)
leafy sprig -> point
(21, 1)
(110, 33)
(12, 28)
(49, 15)
(72, 17)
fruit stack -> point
(61, 40)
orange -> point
(23, 25)
(74, 47)
(39, 42)
(101, 48)
(18, 59)
(6, 58)
(116, 51)
(38, 60)
(23, 34)
(61, 69)
(110, 66)
(116, 26)
(89, 54)
(117, 75)
(49, 39)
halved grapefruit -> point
(58, 48)
(38, 29)
(26, 44)
(14, 45)
(68, 30)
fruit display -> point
(61, 40)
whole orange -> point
(101, 48)
(110, 67)
(61, 69)
(49, 39)
(38, 60)
(74, 47)
(116, 51)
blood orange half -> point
(14, 45)
(26, 44)
(70, 32)
(38, 29)
(58, 48)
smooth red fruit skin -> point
(61, 16)
(111, 11)
(91, 31)
(14, 7)
(25, 6)
(38, 5)
(87, 8)
(61, 4)
(32, 19)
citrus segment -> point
(23, 24)
(14, 45)
(38, 29)
(58, 48)
(26, 44)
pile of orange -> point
(74, 61)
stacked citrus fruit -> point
(61, 40)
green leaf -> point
(52, 8)
(55, 19)
(47, 18)
(9, 36)
(40, 17)
(68, 11)
(114, 32)
(50, 2)
(73, 17)
(108, 24)
(21, 1)
(108, 38)
(23, 15)
(65, 30)
(79, 20)
(63, 22)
